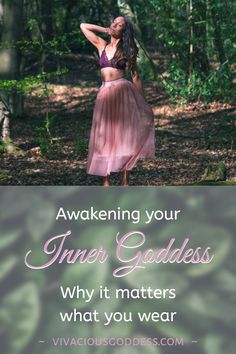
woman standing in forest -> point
(123, 127)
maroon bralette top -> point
(104, 62)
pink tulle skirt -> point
(122, 129)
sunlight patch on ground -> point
(64, 97)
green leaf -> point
(87, 276)
(22, 307)
(213, 343)
(7, 265)
(8, 239)
(40, 219)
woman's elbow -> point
(82, 26)
(134, 73)
(135, 77)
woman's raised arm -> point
(89, 32)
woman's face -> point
(117, 27)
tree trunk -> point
(217, 33)
(201, 61)
(10, 59)
(47, 19)
(1, 16)
(4, 120)
(197, 54)
(190, 54)
(68, 14)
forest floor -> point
(188, 138)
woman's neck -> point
(114, 41)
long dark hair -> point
(127, 48)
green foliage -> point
(3, 176)
(191, 39)
(6, 266)
(144, 68)
(168, 27)
(2, 148)
(85, 274)
(215, 172)
(8, 239)
(19, 313)
(217, 86)
(8, 146)
(31, 83)
(40, 219)
(58, 46)
(43, 137)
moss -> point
(215, 172)
(3, 176)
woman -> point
(122, 128)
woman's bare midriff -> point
(110, 74)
